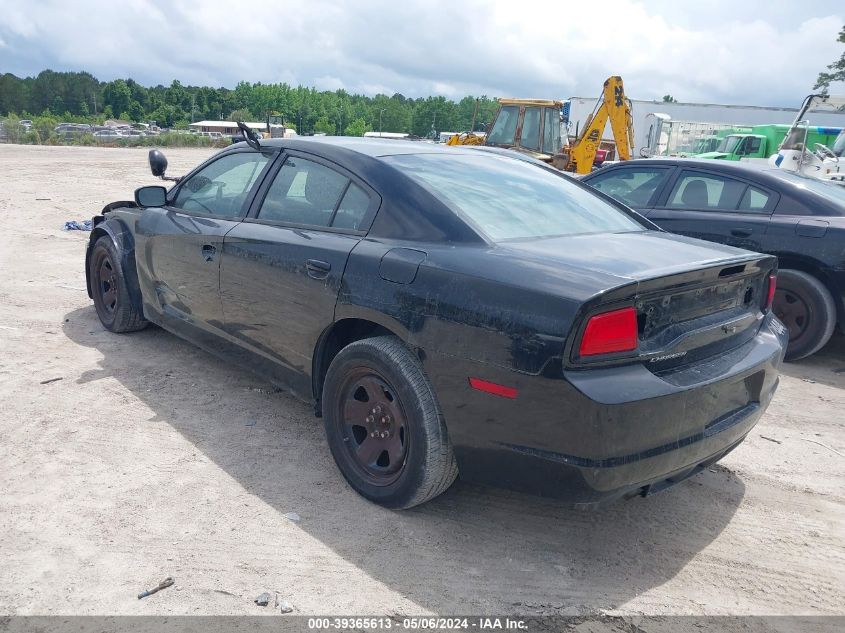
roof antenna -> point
(250, 136)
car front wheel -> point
(108, 284)
(806, 308)
(384, 426)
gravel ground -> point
(146, 458)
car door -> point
(715, 207)
(178, 246)
(635, 186)
(282, 267)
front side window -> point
(303, 192)
(504, 128)
(633, 187)
(530, 138)
(221, 188)
(506, 199)
(706, 191)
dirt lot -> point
(149, 458)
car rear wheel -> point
(384, 425)
(108, 284)
(806, 308)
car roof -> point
(779, 180)
(764, 174)
(375, 147)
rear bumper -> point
(591, 436)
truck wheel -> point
(108, 285)
(807, 309)
(384, 425)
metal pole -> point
(379, 120)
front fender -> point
(124, 242)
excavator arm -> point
(613, 106)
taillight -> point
(770, 297)
(609, 332)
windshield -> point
(510, 199)
(832, 191)
(728, 144)
(504, 129)
(839, 145)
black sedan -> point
(799, 219)
(450, 310)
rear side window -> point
(303, 192)
(353, 207)
(633, 187)
(754, 199)
(706, 191)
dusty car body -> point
(433, 328)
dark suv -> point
(799, 219)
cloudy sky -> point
(718, 51)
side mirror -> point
(153, 196)
(158, 163)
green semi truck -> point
(761, 141)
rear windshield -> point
(830, 190)
(510, 199)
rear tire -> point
(109, 288)
(807, 309)
(384, 426)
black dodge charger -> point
(450, 311)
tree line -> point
(80, 97)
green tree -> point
(324, 125)
(837, 69)
(669, 99)
(357, 128)
(117, 95)
(136, 112)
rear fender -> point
(124, 241)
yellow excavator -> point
(533, 126)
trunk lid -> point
(693, 299)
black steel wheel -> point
(384, 426)
(108, 288)
(806, 308)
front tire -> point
(384, 426)
(108, 284)
(807, 309)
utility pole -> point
(379, 120)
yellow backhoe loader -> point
(533, 126)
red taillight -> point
(770, 297)
(609, 332)
(492, 387)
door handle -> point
(317, 269)
(741, 232)
(208, 252)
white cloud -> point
(718, 51)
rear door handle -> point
(741, 232)
(318, 269)
(208, 252)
